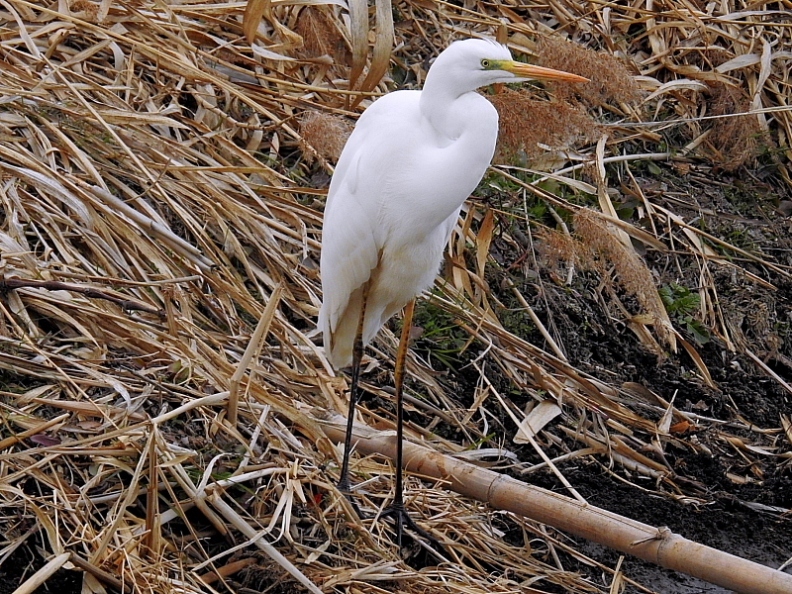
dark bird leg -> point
(396, 510)
(354, 396)
(397, 507)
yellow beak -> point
(540, 73)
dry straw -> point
(159, 203)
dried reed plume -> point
(323, 136)
(596, 247)
(531, 126)
(610, 81)
(735, 141)
(321, 37)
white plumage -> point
(412, 160)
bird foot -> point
(403, 520)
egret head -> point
(472, 63)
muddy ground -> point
(723, 499)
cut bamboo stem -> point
(657, 545)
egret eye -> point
(485, 64)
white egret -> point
(412, 160)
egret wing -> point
(354, 233)
(349, 254)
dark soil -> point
(726, 523)
(25, 562)
(718, 497)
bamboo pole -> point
(657, 545)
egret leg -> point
(397, 506)
(396, 509)
(354, 393)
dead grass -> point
(149, 153)
(597, 246)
